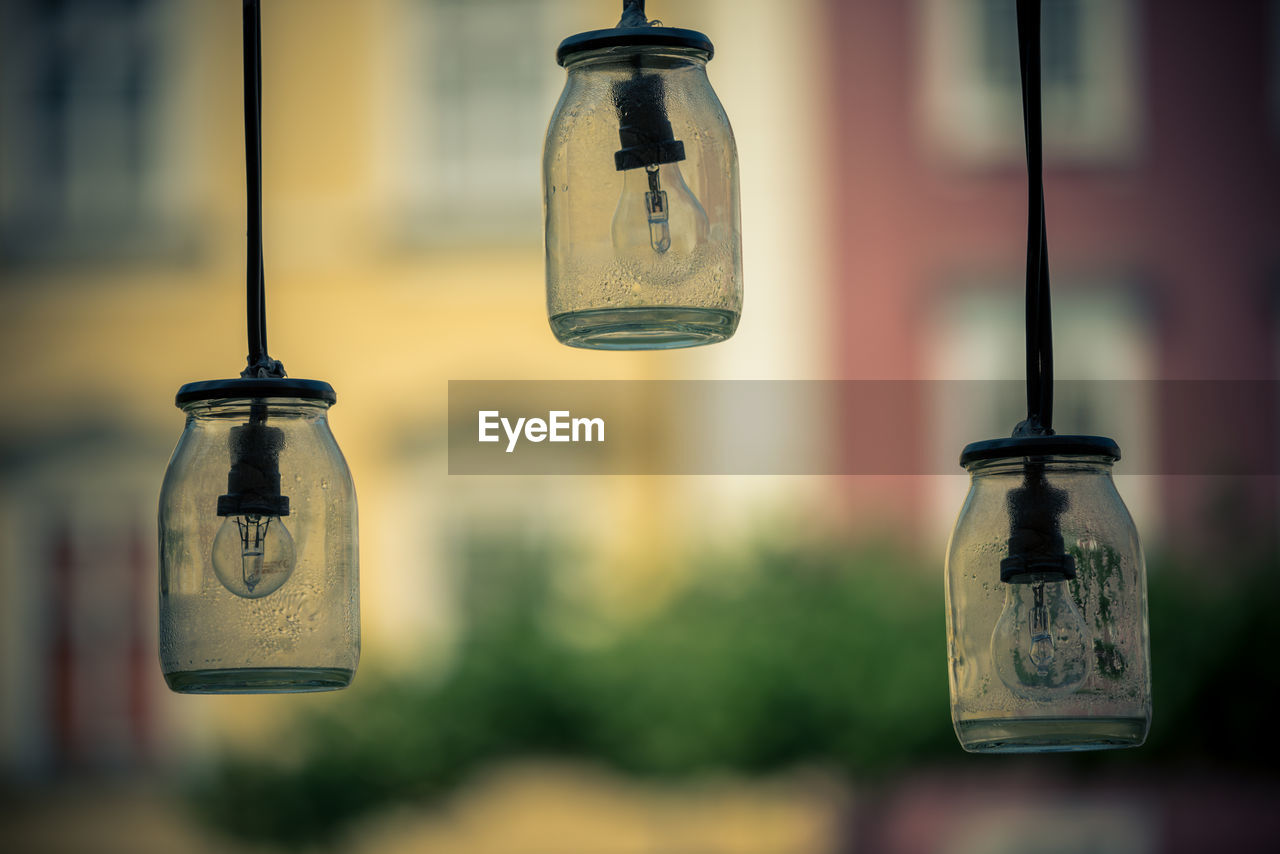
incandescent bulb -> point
(253, 555)
(1038, 645)
(658, 214)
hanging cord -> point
(1038, 320)
(260, 364)
(633, 14)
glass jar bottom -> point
(1050, 735)
(644, 327)
(259, 680)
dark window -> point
(82, 100)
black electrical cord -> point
(260, 364)
(633, 14)
(1038, 316)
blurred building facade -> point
(884, 226)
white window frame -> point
(965, 118)
(439, 195)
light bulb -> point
(1038, 646)
(658, 215)
(253, 555)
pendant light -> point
(258, 539)
(1045, 579)
(640, 190)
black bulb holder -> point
(644, 130)
(253, 484)
(1036, 550)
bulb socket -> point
(253, 484)
(1037, 551)
(644, 131)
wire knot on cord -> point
(264, 368)
(1031, 427)
(633, 14)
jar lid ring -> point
(256, 387)
(634, 37)
(1040, 446)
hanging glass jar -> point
(640, 185)
(258, 544)
(1046, 601)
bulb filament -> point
(253, 536)
(655, 204)
(1041, 640)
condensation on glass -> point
(258, 544)
(640, 191)
(1046, 601)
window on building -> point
(87, 91)
(971, 96)
(79, 686)
(449, 540)
(1104, 350)
(477, 81)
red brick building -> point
(1162, 129)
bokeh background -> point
(666, 665)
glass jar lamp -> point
(1046, 601)
(258, 543)
(640, 190)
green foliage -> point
(1213, 632)
(1098, 570)
(789, 656)
(799, 655)
(824, 654)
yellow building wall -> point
(389, 323)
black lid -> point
(255, 388)
(634, 37)
(1040, 446)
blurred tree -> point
(831, 655)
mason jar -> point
(259, 561)
(1046, 601)
(640, 191)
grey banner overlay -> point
(849, 427)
